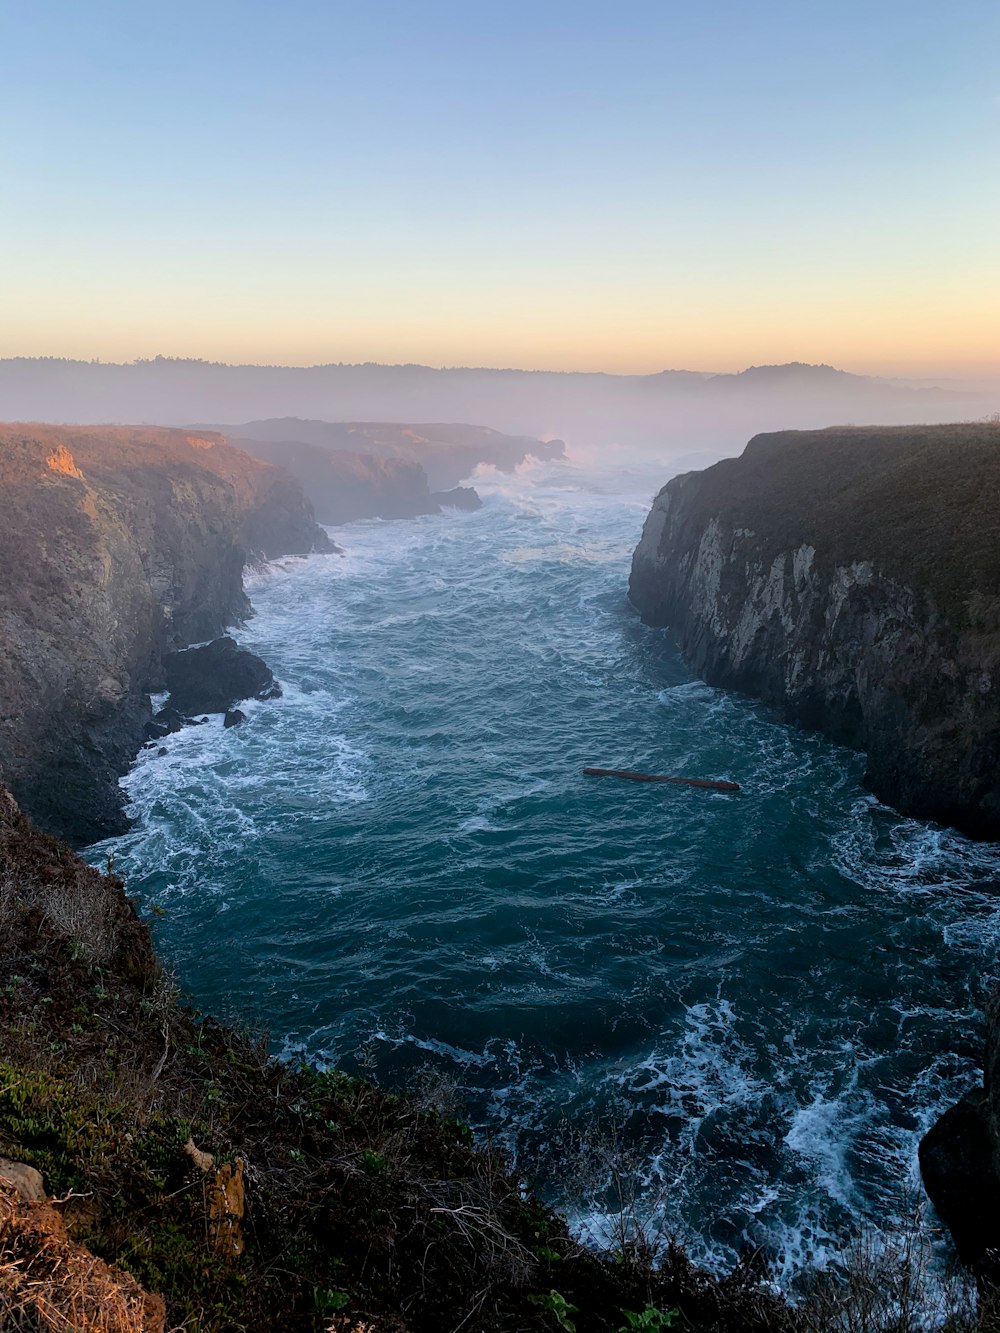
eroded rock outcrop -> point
(214, 676)
(850, 578)
(960, 1165)
(117, 544)
(344, 486)
(447, 452)
(459, 497)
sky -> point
(623, 186)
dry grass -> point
(9, 898)
(84, 912)
(889, 1283)
(48, 1284)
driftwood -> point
(711, 783)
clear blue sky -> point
(620, 186)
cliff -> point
(447, 452)
(344, 486)
(851, 579)
(116, 544)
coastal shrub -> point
(9, 901)
(602, 1175)
(85, 912)
(892, 1283)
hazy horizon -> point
(986, 375)
(565, 188)
(673, 414)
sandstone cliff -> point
(850, 578)
(116, 544)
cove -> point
(770, 995)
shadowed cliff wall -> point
(850, 578)
(116, 543)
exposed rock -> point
(459, 497)
(62, 461)
(345, 486)
(168, 722)
(215, 676)
(958, 1174)
(234, 717)
(960, 1164)
(447, 452)
(25, 1179)
(126, 542)
(850, 578)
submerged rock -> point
(215, 676)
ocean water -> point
(760, 1000)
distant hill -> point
(669, 412)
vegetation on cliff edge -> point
(918, 501)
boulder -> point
(25, 1179)
(234, 717)
(215, 676)
(169, 720)
(460, 497)
(960, 1165)
(956, 1163)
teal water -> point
(768, 996)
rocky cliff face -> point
(446, 452)
(116, 544)
(344, 486)
(851, 579)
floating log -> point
(711, 783)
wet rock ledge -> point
(851, 579)
(118, 545)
